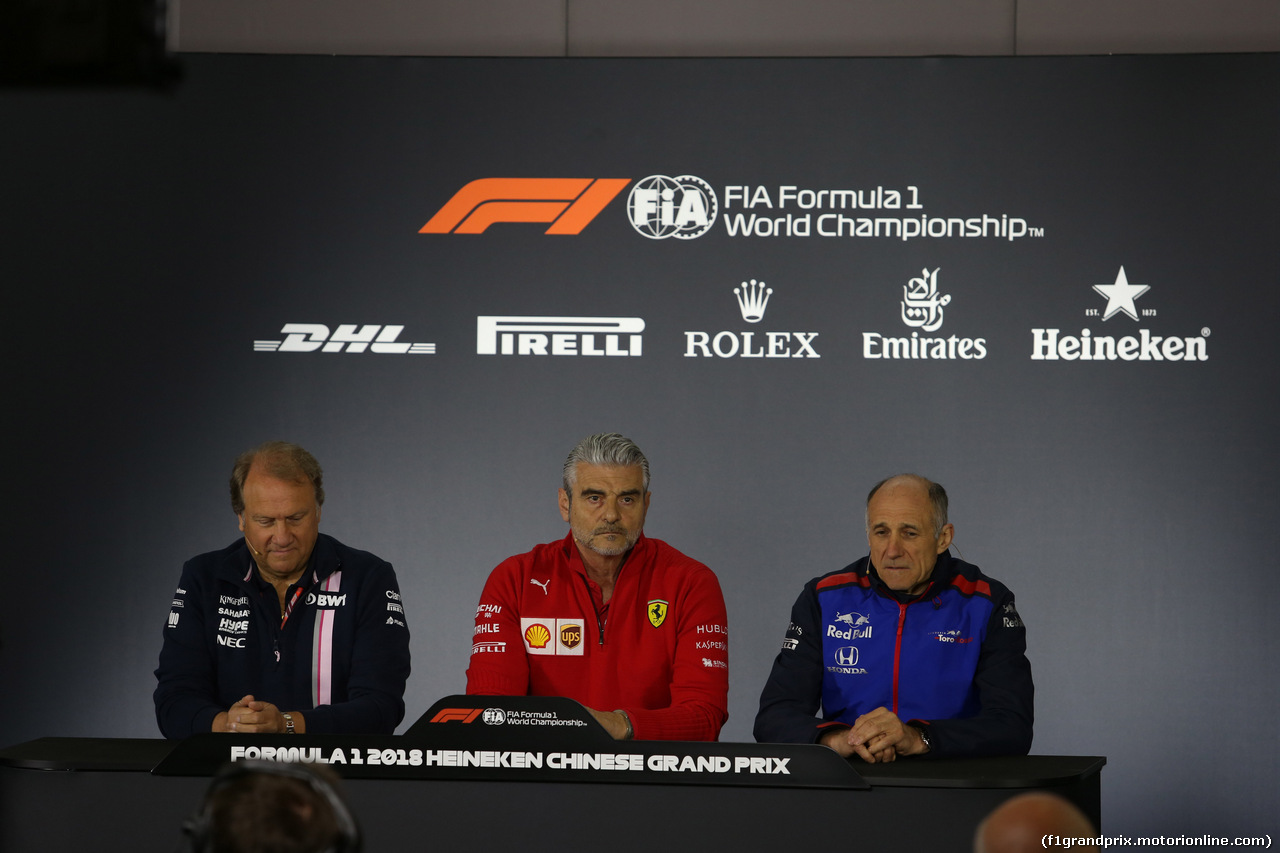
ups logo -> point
(570, 635)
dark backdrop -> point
(150, 240)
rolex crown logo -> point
(753, 296)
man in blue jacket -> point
(909, 651)
(286, 630)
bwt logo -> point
(309, 337)
(457, 715)
(559, 335)
(569, 204)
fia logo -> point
(683, 207)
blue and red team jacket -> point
(951, 660)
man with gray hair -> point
(606, 616)
(286, 630)
(909, 651)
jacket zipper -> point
(599, 622)
(897, 653)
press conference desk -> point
(100, 794)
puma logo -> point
(544, 584)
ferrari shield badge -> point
(657, 612)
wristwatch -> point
(924, 738)
(631, 730)
(288, 724)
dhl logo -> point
(456, 715)
(569, 204)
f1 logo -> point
(569, 204)
(459, 715)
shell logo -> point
(537, 636)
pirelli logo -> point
(568, 204)
(617, 336)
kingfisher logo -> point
(568, 204)
(617, 336)
(683, 207)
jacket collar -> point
(574, 556)
(943, 571)
(324, 560)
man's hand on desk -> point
(876, 737)
(615, 723)
(249, 716)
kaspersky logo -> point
(568, 204)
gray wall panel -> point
(806, 28)
(375, 27)
(1146, 26)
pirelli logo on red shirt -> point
(568, 204)
(544, 636)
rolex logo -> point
(753, 297)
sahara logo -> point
(309, 337)
(568, 204)
(1121, 296)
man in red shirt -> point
(607, 616)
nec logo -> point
(309, 337)
(569, 204)
(457, 715)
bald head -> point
(913, 484)
(1019, 824)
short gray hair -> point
(605, 448)
(283, 461)
(937, 500)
